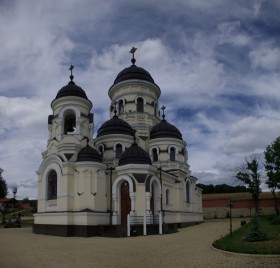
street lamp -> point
(229, 205)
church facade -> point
(135, 168)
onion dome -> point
(89, 154)
(165, 130)
(135, 155)
(115, 126)
(133, 72)
(71, 89)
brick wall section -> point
(216, 208)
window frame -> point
(140, 109)
(52, 185)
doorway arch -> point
(123, 194)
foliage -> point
(25, 200)
(237, 243)
(221, 188)
(249, 174)
(256, 234)
(272, 167)
(3, 186)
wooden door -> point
(125, 202)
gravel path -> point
(190, 247)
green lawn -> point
(236, 243)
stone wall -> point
(241, 208)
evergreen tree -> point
(3, 186)
(272, 167)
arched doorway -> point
(125, 202)
(154, 205)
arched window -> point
(52, 185)
(188, 193)
(69, 123)
(172, 154)
(101, 150)
(121, 106)
(155, 108)
(167, 197)
(155, 154)
(118, 151)
(140, 105)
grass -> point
(237, 243)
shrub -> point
(255, 233)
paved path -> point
(190, 247)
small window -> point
(101, 150)
(140, 105)
(172, 154)
(155, 155)
(167, 197)
(155, 109)
(188, 194)
(118, 151)
(121, 107)
(52, 185)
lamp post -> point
(111, 173)
(229, 204)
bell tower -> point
(71, 113)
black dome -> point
(89, 154)
(165, 130)
(71, 90)
(115, 126)
(133, 72)
(135, 155)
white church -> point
(134, 172)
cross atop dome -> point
(71, 69)
(132, 51)
(163, 115)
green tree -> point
(3, 186)
(249, 173)
(25, 200)
(272, 167)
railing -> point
(145, 220)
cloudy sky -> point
(217, 64)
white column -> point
(115, 215)
(160, 222)
(132, 198)
(144, 225)
(148, 201)
(128, 225)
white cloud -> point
(182, 49)
(251, 134)
(266, 57)
(257, 6)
